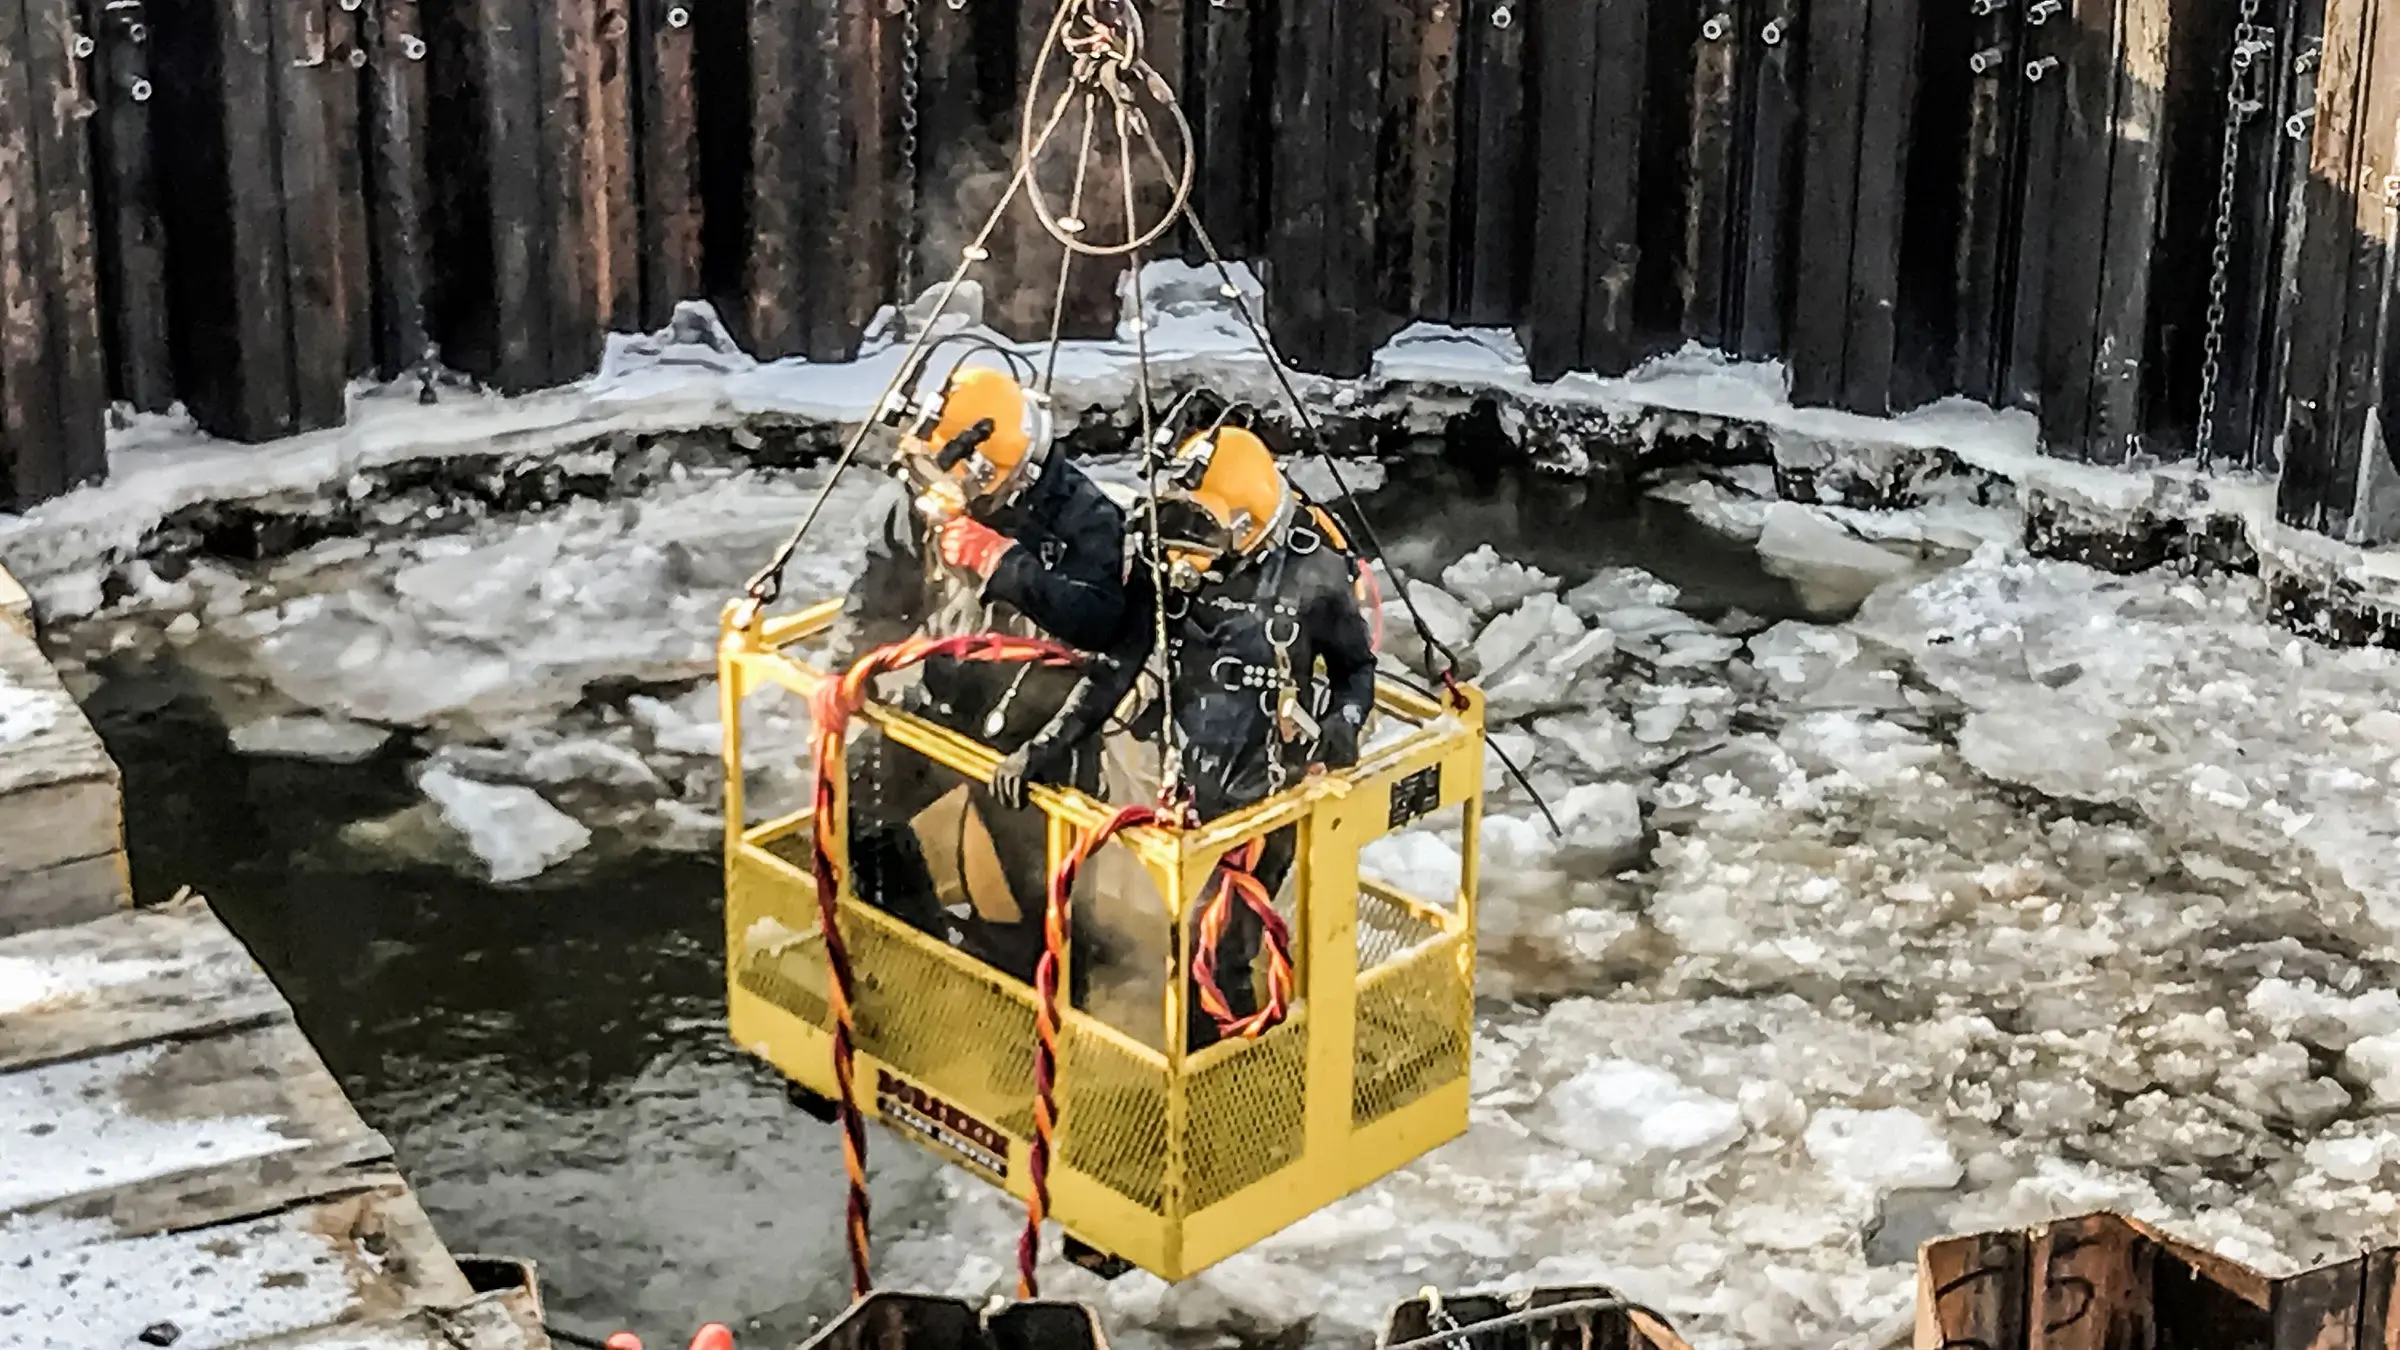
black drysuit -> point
(1225, 690)
(1064, 580)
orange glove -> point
(714, 1336)
(973, 545)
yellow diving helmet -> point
(1227, 500)
(983, 432)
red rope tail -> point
(831, 709)
(1057, 924)
(1239, 870)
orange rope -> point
(832, 707)
(1239, 869)
(1057, 921)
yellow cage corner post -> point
(1169, 1160)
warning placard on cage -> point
(1416, 795)
(939, 1123)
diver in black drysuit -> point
(1064, 578)
(1225, 684)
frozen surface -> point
(332, 739)
(72, 1128)
(71, 1285)
(24, 712)
(2025, 891)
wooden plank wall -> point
(2012, 200)
(2344, 374)
(51, 371)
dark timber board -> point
(2313, 491)
(778, 170)
(132, 236)
(1223, 65)
(562, 155)
(63, 150)
(1298, 254)
(2044, 107)
(2269, 198)
(2136, 179)
(345, 101)
(1494, 195)
(306, 67)
(28, 391)
(1430, 77)
(1989, 194)
(1890, 77)
(258, 359)
(1837, 41)
(2087, 46)
(1770, 176)
(399, 194)
(1565, 38)
(1612, 252)
(666, 104)
(507, 33)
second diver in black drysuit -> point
(1273, 665)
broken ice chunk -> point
(1603, 819)
(1491, 584)
(331, 739)
(1600, 740)
(1793, 655)
(1832, 568)
(515, 831)
(1615, 588)
(1541, 621)
(1882, 1150)
(1626, 1112)
(1658, 723)
(2050, 745)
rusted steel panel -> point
(2136, 187)
(307, 205)
(1704, 267)
(519, 196)
(351, 248)
(1226, 57)
(1430, 79)
(1300, 214)
(29, 467)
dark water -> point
(549, 1061)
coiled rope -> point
(1239, 871)
(831, 708)
(1057, 926)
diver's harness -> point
(1297, 718)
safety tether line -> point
(830, 711)
(1057, 929)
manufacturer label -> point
(939, 1123)
(1416, 795)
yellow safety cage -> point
(1170, 1160)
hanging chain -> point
(2251, 45)
(906, 267)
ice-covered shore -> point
(2024, 890)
